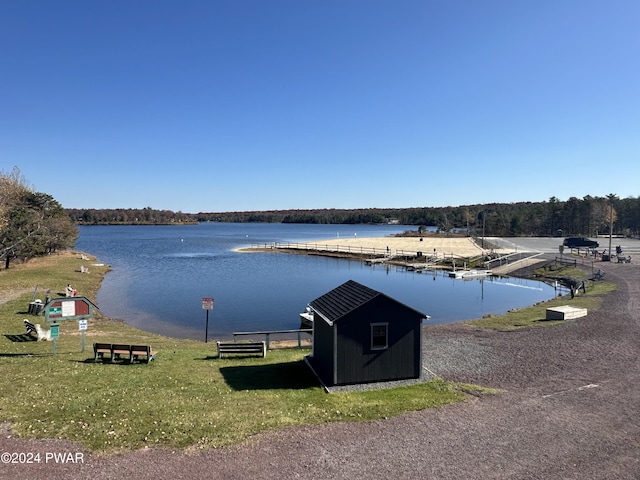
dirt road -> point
(569, 410)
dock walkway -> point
(512, 267)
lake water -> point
(160, 274)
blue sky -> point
(201, 106)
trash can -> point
(36, 308)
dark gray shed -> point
(361, 335)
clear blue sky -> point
(212, 105)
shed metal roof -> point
(347, 297)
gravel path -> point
(569, 410)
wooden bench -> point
(117, 351)
(120, 349)
(242, 348)
(100, 349)
(142, 351)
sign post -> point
(55, 333)
(82, 326)
(68, 308)
(207, 304)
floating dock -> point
(462, 274)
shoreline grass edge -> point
(186, 398)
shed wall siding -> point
(357, 362)
(323, 350)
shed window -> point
(379, 336)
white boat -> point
(306, 318)
(459, 274)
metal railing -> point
(567, 261)
(268, 334)
(320, 247)
(372, 252)
(510, 258)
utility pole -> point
(611, 196)
(610, 227)
(484, 215)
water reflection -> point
(160, 275)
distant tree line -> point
(32, 223)
(127, 216)
(587, 216)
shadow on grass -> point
(23, 355)
(286, 376)
(20, 337)
(107, 362)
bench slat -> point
(241, 348)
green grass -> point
(185, 398)
(535, 316)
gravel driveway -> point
(569, 410)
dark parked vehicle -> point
(577, 242)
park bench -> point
(118, 350)
(242, 348)
(138, 351)
(100, 349)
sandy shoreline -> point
(428, 245)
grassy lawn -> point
(535, 315)
(184, 398)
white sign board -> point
(83, 324)
(68, 309)
(207, 303)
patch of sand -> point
(430, 245)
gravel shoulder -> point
(568, 409)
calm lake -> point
(160, 274)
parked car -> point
(577, 242)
